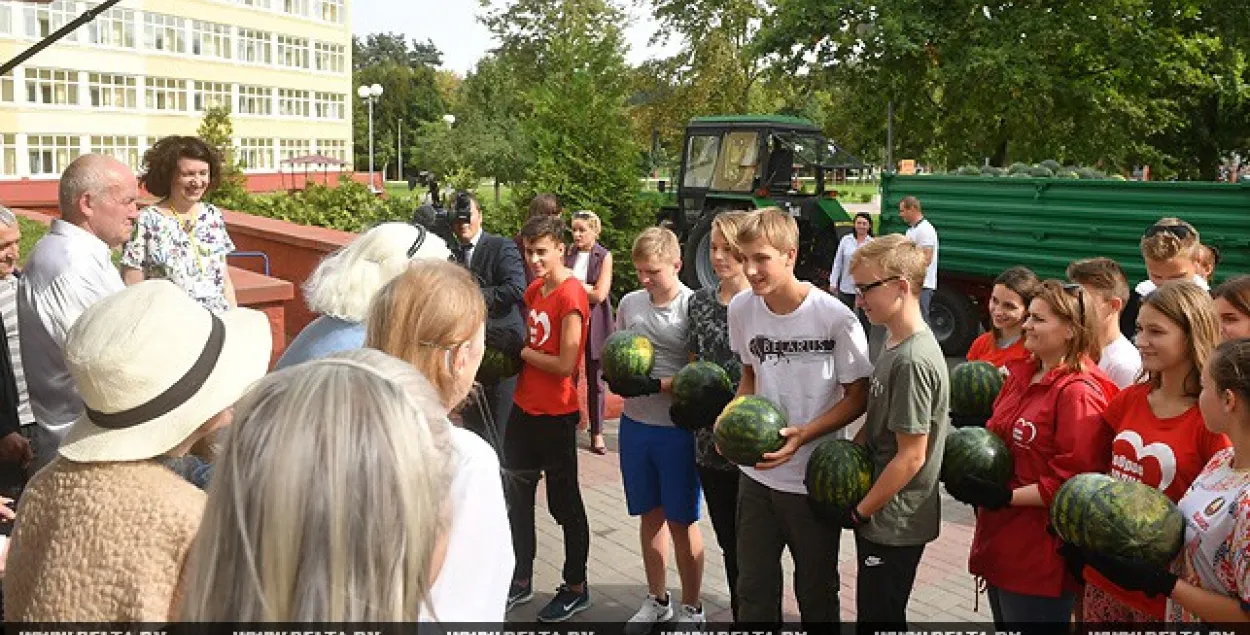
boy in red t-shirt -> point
(541, 436)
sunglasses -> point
(863, 289)
(583, 216)
(1179, 231)
(1076, 291)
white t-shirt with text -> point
(800, 361)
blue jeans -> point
(926, 297)
(1016, 608)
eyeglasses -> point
(1181, 232)
(1076, 291)
(422, 232)
(863, 289)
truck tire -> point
(954, 320)
(696, 257)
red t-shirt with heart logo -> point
(539, 392)
(1166, 454)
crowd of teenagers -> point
(165, 473)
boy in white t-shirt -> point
(1104, 280)
(805, 351)
(1171, 250)
(657, 459)
(922, 232)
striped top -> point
(8, 312)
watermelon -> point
(976, 452)
(749, 427)
(497, 365)
(1118, 518)
(627, 354)
(839, 474)
(700, 378)
(974, 386)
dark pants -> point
(926, 298)
(1016, 608)
(720, 489)
(769, 521)
(488, 410)
(533, 445)
(595, 393)
(884, 582)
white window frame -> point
(258, 95)
(332, 11)
(117, 23)
(329, 57)
(292, 148)
(8, 88)
(292, 51)
(296, 7)
(335, 148)
(100, 85)
(8, 154)
(332, 106)
(160, 31)
(47, 18)
(252, 43)
(170, 88)
(294, 103)
(256, 147)
(259, 4)
(211, 39)
(121, 147)
(48, 149)
(207, 94)
(6, 20)
(40, 79)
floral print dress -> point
(194, 257)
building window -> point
(296, 7)
(329, 106)
(210, 39)
(255, 46)
(259, 4)
(292, 103)
(328, 57)
(115, 27)
(112, 91)
(292, 148)
(50, 154)
(164, 93)
(124, 149)
(6, 87)
(8, 154)
(208, 94)
(329, 10)
(163, 33)
(49, 86)
(6, 20)
(256, 153)
(43, 20)
(334, 148)
(292, 51)
(255, 100)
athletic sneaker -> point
(519, 594)
(651, 613)
(691, 616)
(565, 604)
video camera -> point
(440, 220)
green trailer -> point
(987, 224)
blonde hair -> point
(659, 242)
(424, 316)
(1186, 305)
(771, 224)
(896, 255)
(1166, 246)
(729, 224)
(1207, 257)
(344, 283)
(329, 502)
(591, 219)
(1070, 303)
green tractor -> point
(752, 161)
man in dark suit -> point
(497, 265)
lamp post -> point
(370, 94)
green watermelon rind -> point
(686, 383)
(974, 386)
(627, 354)
(763, 416)
(839, 474)
(976, 452)
(1118, 518)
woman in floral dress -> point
(182, 238)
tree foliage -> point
(217, 130)
(412, 94)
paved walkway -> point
(944, 590)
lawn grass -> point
(485, 191)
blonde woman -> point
(344, 283)
(433, 317)
(330, 502)
(591, 263)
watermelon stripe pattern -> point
(627, 354)
(749, 427)
(1118, 518)
(699, 378)
(976, 452)
(839, 474)
(974, 387)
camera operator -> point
(496, 263)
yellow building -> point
(146, 68)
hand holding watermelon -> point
(793, 441)
(748, 429)
(701, 390)
(978, 492)
(633, 385)
(1133, 575)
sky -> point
(453, 27)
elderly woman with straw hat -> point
(103, 531)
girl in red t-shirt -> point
(1160, 438)
(1049, 414)
(1009, 305)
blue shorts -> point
(658, 469)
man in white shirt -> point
(69, 270)
(1103, 279)
(922, 232)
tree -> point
(412, 94)
(217, 130)
(393, 48)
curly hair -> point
(160, 162)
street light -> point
(370, 94)
(450, 120)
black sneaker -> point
(519, 594)
(565, 604)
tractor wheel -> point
(696, 267)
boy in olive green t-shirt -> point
(904, 431)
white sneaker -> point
(651, 613)
(691, 615)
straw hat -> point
(152, 366)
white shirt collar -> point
(77, 234)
